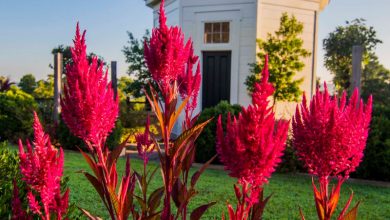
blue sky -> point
(30, 29)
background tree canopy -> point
(285, 50)
(134, 53)
(338, 50)
(27, 83)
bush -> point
(376, 161)
(9, 170)
(205, 144)
(68, 141)
(290, 162)
(16, 114)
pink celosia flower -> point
(189, 83)
(17, 210)
(253, 143)
(42, 170)
(89, 108)
(166, 54)
(145, 143)
(330, 135)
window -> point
(217, 32)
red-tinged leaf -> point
(318, 201)
(177, 193)
(116, 153)
(155, 199)
(155, 107)
(96, 184)
(176, 113)
(352, 215)
(198, 212)
(301, 214)
(152, 174)
(258, 209)
(90, 162)
(197, 174)
(128, 204)
(142, 203)
(232, 215)
(153, 216)
(183, 138)
(237, 191)
(334, 198)
(114, 200)
(189, 156)
(342, 213)
(89, 215)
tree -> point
(376, 82)
(67, 56)
(285, 50)
(27, 83)
(134, 53)
(338, 50)
(45, 88)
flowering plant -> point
(330, 136)
(90, 111)
(42, 169)
(170, 62)
(251, 149)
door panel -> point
(216, 77)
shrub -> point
(290, 162)
(376, 161)
(68, 141)
(16, 108)
(9, 170)
(205, 144)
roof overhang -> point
(151, 3)
(323, 4)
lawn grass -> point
(289, 193)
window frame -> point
(216, 35)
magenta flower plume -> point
(330, 135)
(89, 108)
(17, 209)
(42, 170)
(253, 144)
(166, 54)
(189, 82)
(145, 144)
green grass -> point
(289, 193)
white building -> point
(224, 34)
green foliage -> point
(290, 162)
(16, 114)
(27, 83)
(45, 88)
(134, 53)
(205, 144)
(285, 50)
(376, 161)
(67, 56)
(376, 82)
(338, 49)
(9, 171)
(68, 141)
